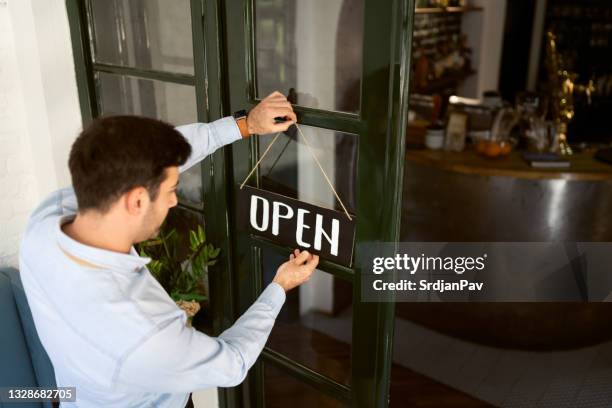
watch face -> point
(240, 114)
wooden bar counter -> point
(463, 197)
(583, 166)
(467, 197)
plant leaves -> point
(189, 297)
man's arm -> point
(205, 138)
(177, 358)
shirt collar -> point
(97, 256)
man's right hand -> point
(261, 119)
(296, 270)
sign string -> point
(287, 143)
(260, 160)
(313, 156)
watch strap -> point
(241, 120)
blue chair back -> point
(24, 360)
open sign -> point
(296, 224)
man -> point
(109, 328)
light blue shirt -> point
(111, 330)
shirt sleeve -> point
(205, 138)
(178, 358)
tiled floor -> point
(502, 377)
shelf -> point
(432, 10)
(445, 82)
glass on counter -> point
(534, 128)
(500, 143)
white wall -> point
(485, 32)
(39, 118)
(17, 178)
(39, 113)
(536, 44)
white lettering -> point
(378, 269)
(266, 207)
(276, 215)
(333, 239)
(301, 227)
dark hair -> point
(115, 154)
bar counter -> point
(464, 197)
(583, 166)
(467, 197)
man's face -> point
(158, 209)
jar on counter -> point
(434, 138)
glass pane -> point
(281, 390)
(149, 34)
(289, 168)
(173, 103)
(181, 221)
(314, 326)
(324, 72)
(502, 355)
(189, 190)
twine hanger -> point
(313, 156)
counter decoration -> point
(563, 88)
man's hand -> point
(296, 270)
(261, 118)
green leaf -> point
(189, 297)
(193, 240)
(201, 234)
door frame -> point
(207, 80)
(385, 77)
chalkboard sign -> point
(296, 224)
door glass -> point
(314, 326)
(149, 34)
(173, 103)
(502, 355)
(310, 50)
(182, 221)
(290, 169)
(281, 390)
(189, 190)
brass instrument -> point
(563, 87)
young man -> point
(109, 328)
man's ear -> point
(136, 200)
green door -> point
(344, 64)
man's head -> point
(127, 166)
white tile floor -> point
(504, 378)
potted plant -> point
(181, 270)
